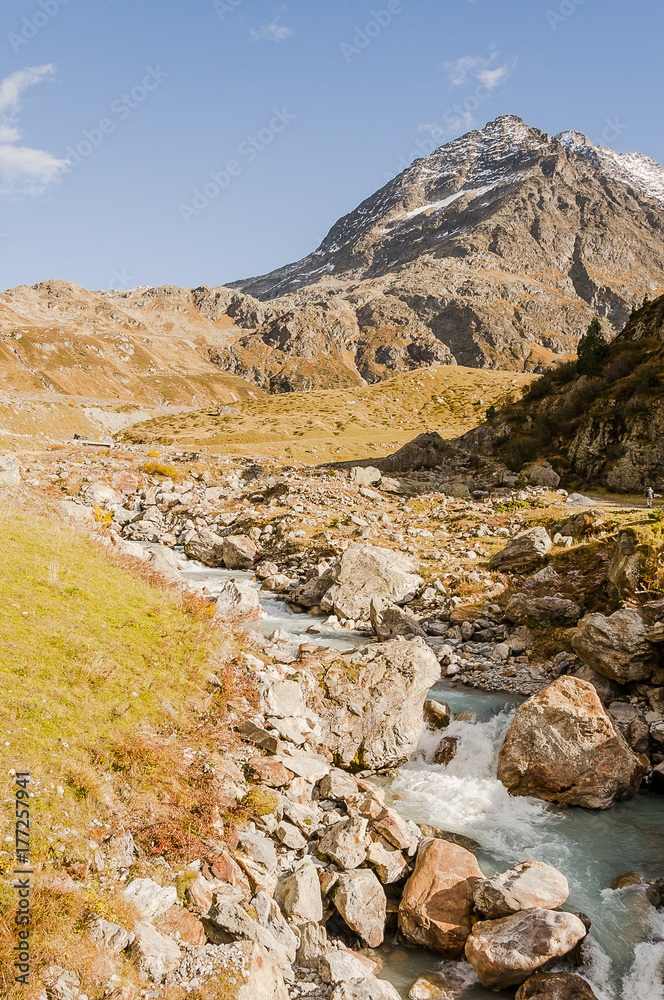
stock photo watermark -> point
(562, 13)
(613, 129)
(120, 109)
(247, 152)
(121, 281)
(363, 37)
(224, 7)
(32, 24)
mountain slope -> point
(501, 244)
(606, 428)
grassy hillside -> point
(106, 702)
(341, 424)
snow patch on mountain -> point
(636, 169)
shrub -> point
(160, 469)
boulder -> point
(360, 899)
(345, 843)
(617, 646)
(337, 785)
(426, 988)
(270, 916)
(579, 500)
(299, 896)
(543, 475)
(281, 699)
(239, 552)
(111, 935)
(435, 910)
(369, 571)
(364, 476)
(154, 953)
(10, 471)
(437, 714)
(555, 611)
(238, 600)
(389, 620)
(387, 861)
(368, 988)
(262, 977)
(341, 965)
(370, 702)
(555, 986)
(563, 747)
(529, 884)
(525, 553)
(100, 493)
(206, 547)
(313, 945)
(626, 566)
(505, 952)
(150, 898)
(182, 925)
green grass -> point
(103, 680)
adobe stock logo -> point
(363, 37)
(247, 151)
(33, 24)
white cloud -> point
(272, 32)
(480, 68)
(23, 170)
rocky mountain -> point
(495, 251)
(605, 427)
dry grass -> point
(341, 423)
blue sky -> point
(114, 113)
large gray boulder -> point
(238, 599)
(617, 646)
(370, 701)
(505, 952)
(529, 884)
(525, 553)
(366, 572)
(239, 552)
(389, 620)
(563, 747)
(206, 547)
(360, 900)
(543, 475)
(524, 609)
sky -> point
(145, 142)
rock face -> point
(435, 910)
(563, 747)
(626, 566)
(384, 686)
(556, 611)
(369, 572)
(525, 553)
(413, 259)
(529, 884)
(555, 986)
(505, 952)
(618, 646)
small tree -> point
(592, 349)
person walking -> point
(650, 496)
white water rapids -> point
(624, 954)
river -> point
(625, 949)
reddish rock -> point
(269, 772)
(438, 898)
(178, 921)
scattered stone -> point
(345, 843)
(150, 898)
(154, 953)
(389, 620)
(437, 714)
(299, 896)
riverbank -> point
(453, 620)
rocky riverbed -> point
(423, 577)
